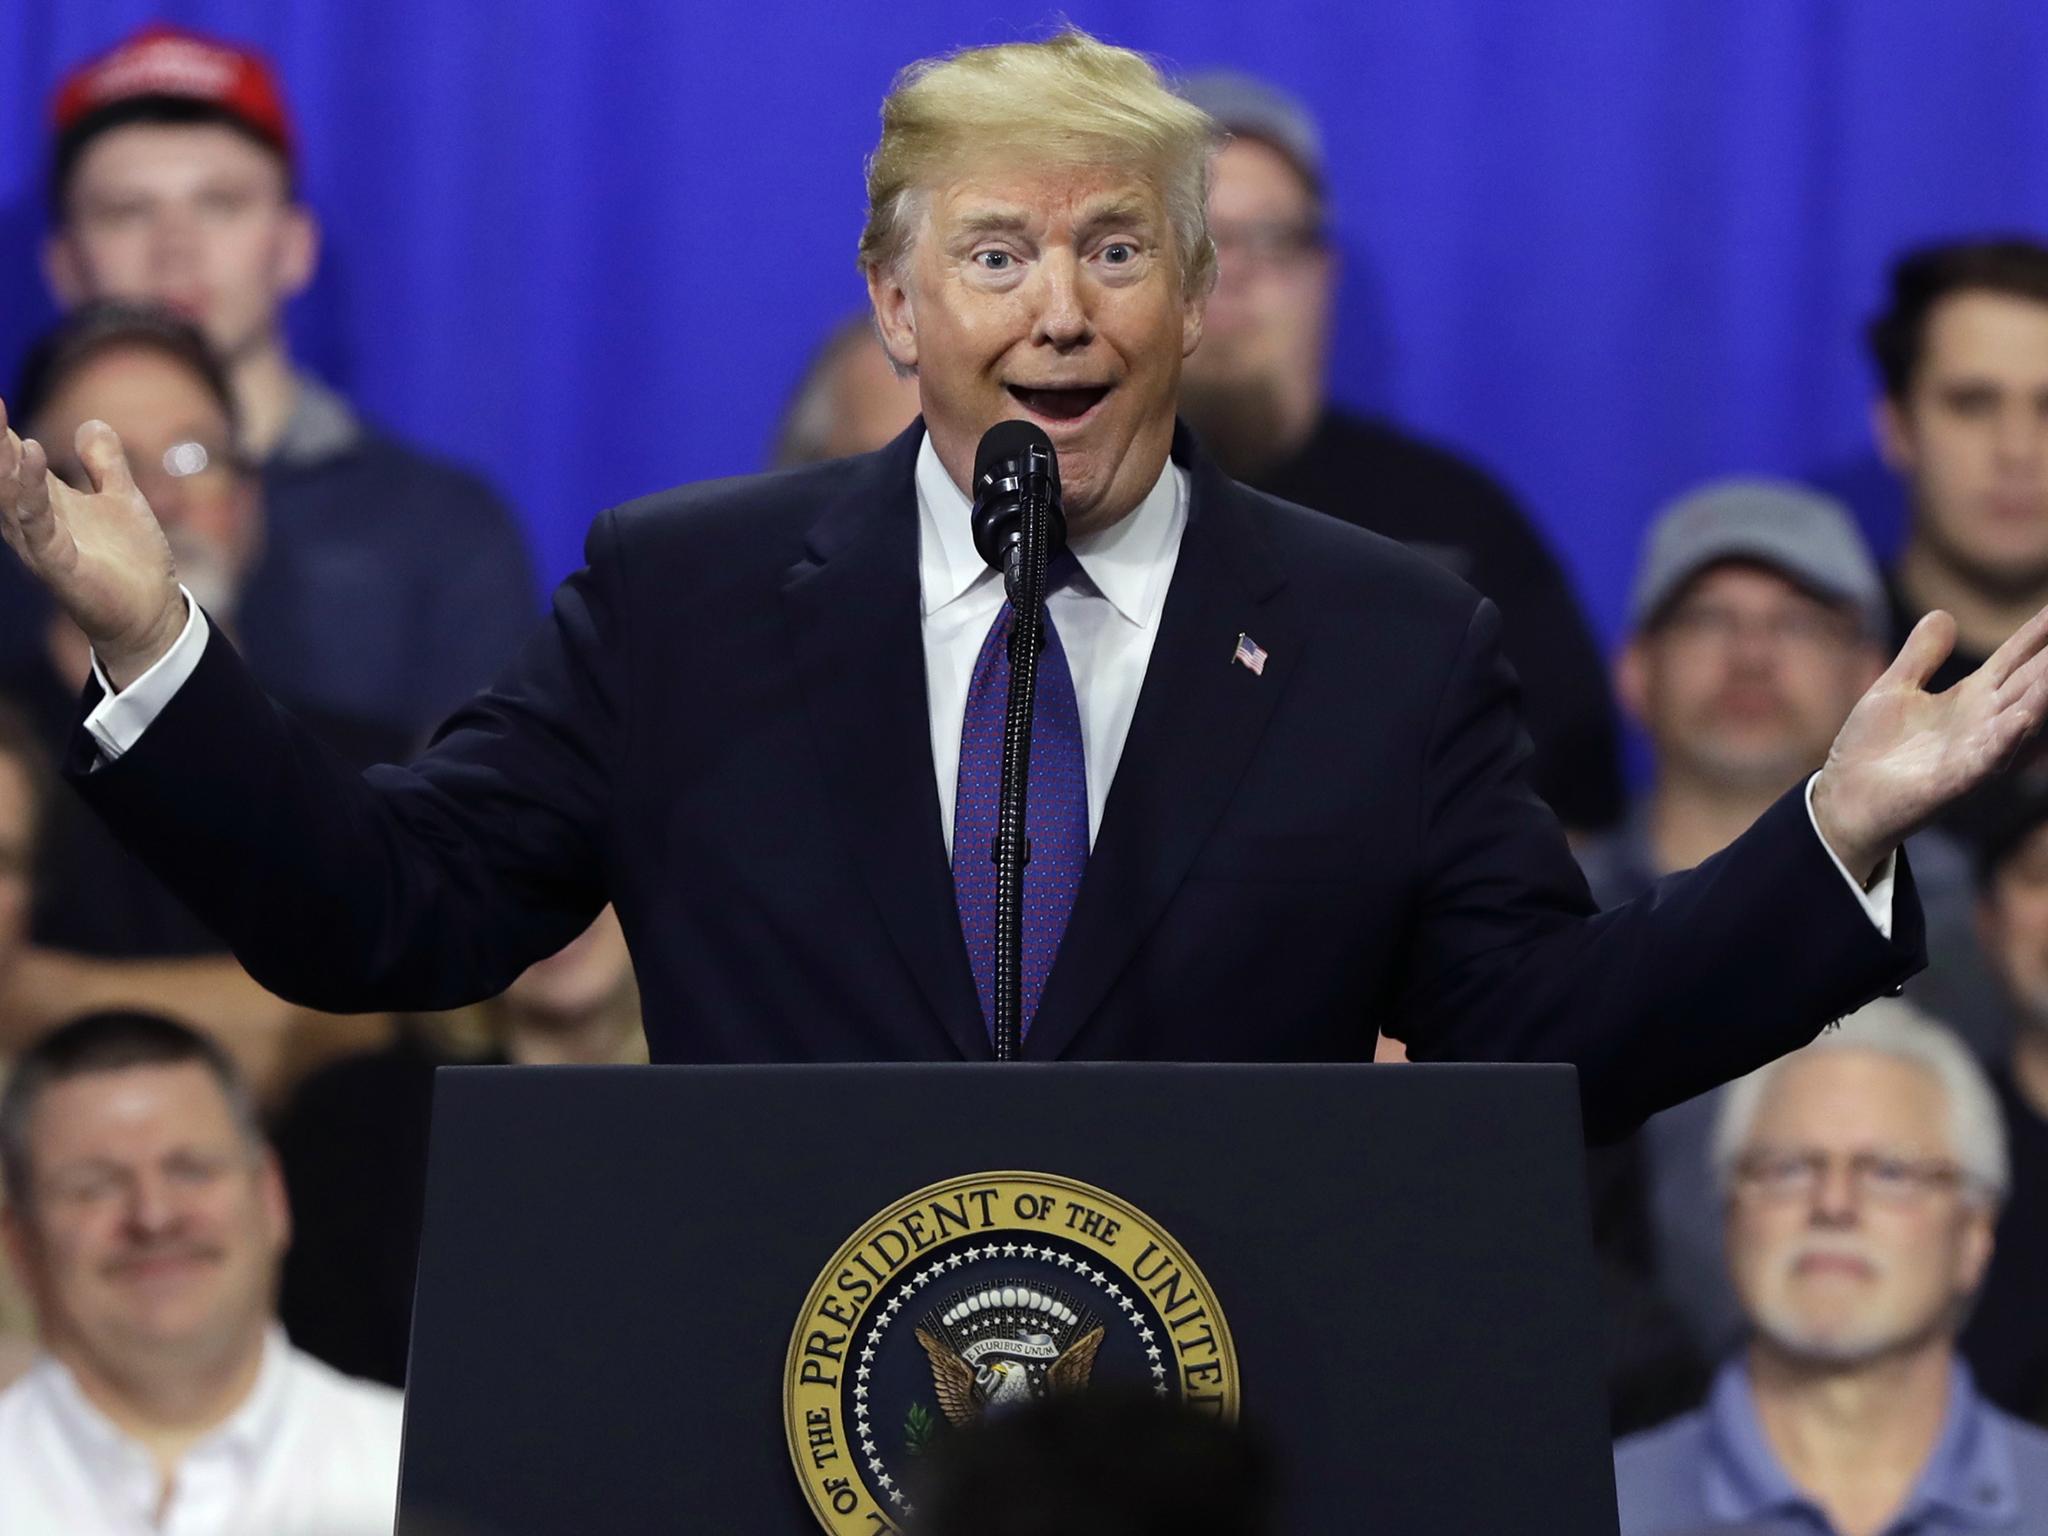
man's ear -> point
(17, 1239)
(895, 314)
(1632, 679)
(63, 271)
(249, 528)
(277, 1205)
(1977, 1248)
(1893, 433)
(1193, 309)
(299, 255)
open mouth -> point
(1066, 403)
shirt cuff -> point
(119, 719)
(1876, 897)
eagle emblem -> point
(998, 1346)
(969, 1298)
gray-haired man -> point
(1861, 1177)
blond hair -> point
(1070, 100)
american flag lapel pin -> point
(1250, 654)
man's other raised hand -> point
(100, 552)
(1905, 754)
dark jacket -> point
(1377, 476)
(392, 585)
(723, 729)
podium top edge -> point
(1523, 1070)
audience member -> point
(1756, 623)
(1961, 350)
(354, 1143)
(2007, 1337)
(1962, 356)
(1861, 1178)
(24, 792)
(24, 787)
(148, 1217)
(850, 400)
(1099, 1463)
(174, 180)
(99, 911)
(1256, 391)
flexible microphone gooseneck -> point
(1018, 528)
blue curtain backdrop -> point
(1609, 247)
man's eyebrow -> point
(1122, 210)
(89, 1163)
(990, 221)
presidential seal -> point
(969, 1298)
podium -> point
(644, 1293)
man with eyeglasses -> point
(1860, 1180)
(1257, 391)
(107, 931)
(1756, 621)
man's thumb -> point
(1926, 648)
(99, 450)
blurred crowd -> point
(1826, 1286)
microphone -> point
(1016, 481)
(1018, 528)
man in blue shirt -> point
(1862, 1177)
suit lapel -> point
(852, 608)
(1199, 718)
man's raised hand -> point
(100, 552)
(1905, 754)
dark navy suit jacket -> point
(723, 729)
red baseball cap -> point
(166, 61)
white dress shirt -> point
(309, 1453)
(1108, 619)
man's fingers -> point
(1926, 648)
(33, 518)
(2034, 707)
(2020, 646)
(99, 450)
(2019, 681)
(27, 520)
(2018, 723)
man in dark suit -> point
(1282, 801)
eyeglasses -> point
(1266, 244)
(191, 463)
(1882, 1178)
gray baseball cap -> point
(1804, 536)
(1248, 107)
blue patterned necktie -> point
(1056, 807)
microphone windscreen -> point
(1008, 441)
